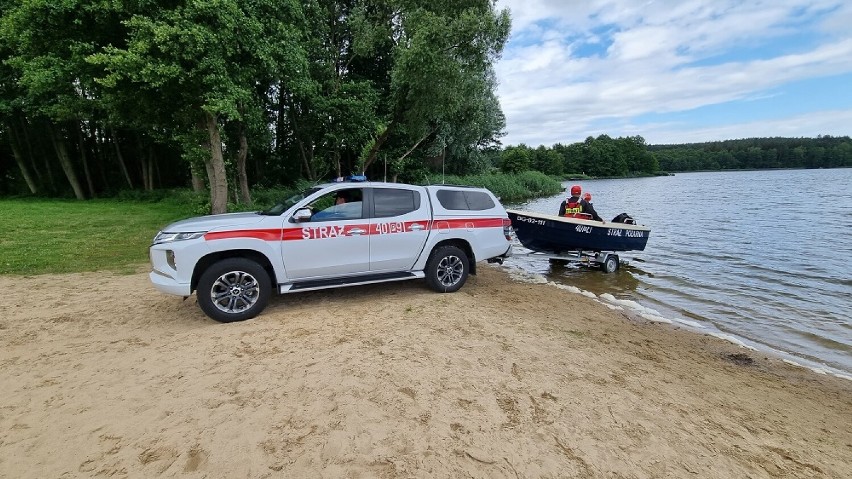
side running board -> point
(315, 284)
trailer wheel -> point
(610, 264)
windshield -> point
(288, 203)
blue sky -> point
(675, 71)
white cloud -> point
(658, 61)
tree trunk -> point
(51, 184)
(197, 180)
(157, 169)
(84, 159)
(121, 159)
(23, 140)
(307, 157)
(242, 155)
(151, 160)
(374, 151)
(19, 158)
(216, 167)
(65, 161)
(280, 126)
(427, 135)
(143, 161)
(306, 160)
(97, 137)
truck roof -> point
(387, 184)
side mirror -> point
(303, 214)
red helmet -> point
(575, 190)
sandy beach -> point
(103, 376)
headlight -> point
(166, 237)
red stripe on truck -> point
(330, 230)
(265, 235)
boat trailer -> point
(607, 261)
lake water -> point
(759, 256)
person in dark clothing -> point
(575, 207)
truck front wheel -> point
(447, 269)
(233, 289)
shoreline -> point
(102, 375)
(637, 312)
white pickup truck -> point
(332, 235)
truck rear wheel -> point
(447, 269)
(233, 289)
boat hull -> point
(555, 234)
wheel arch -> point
(462, 245)
(206, 261)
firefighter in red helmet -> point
(575, 207)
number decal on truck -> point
(388, 228)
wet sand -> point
(103, 376)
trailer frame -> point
(607, 261)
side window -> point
(465, 200)
(339, 205)
(452, 199)
(477, 200)
(390, 202)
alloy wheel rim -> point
(234, 292)
(450, 270)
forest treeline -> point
(97, 97)
(756, 153)
(596, 157)
(631, 156)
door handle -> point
(416, 227)
(355, 232)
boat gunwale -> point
(580, 221)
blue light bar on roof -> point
(350, 178)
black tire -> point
(610, 264)
(447, 269)
(233, 289)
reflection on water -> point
(736, 252)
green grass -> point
(60, 236)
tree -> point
(547, 161)
(50, 42)
(205, 58)
(442, 54)
(253, 92)
(516, 159)
(337, 111)
(10, 113)
(462, 139)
